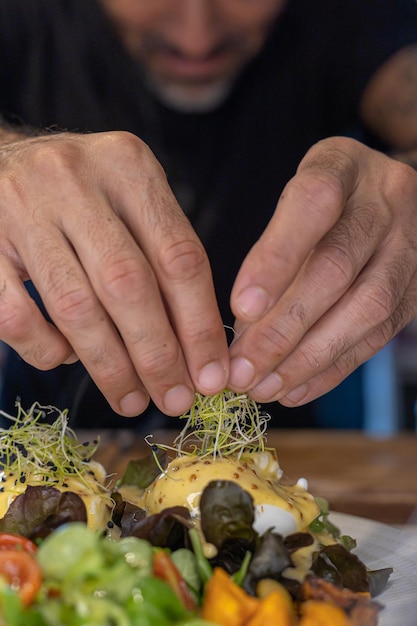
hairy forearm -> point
(11, 132)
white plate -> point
(380, 545)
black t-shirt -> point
(61, 64)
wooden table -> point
(360, 475)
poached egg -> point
(90, 486)
(281, 507)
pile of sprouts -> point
(226, 424)
(41, 445)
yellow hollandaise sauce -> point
(186, 477)
(89, 486)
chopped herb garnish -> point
(221, 425)
(55, 452)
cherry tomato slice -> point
(20, 570)
(8, 541)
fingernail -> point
(178, 399)
(268, 387)
(212, 377)
(253, 301)
(298, 394)
(242, 373)
(134, 403)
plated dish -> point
(377, 545)
(208, 523)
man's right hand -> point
(91, 220)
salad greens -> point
(39, 510)
(145, 569)
(89, 579)
(227, 514)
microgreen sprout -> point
(226, 424)
(48, 451)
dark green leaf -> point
(338, 565)
(378, 579)
(270, 559)
(227, 513)
(168, 529)
(126, 515)
(295, 541)
(143, 472)
(39, 510)
(348, 542)
(232, 554)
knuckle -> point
(400, 180)
(111, 375)
(124, 141)
(72, 306)
(363, 223)
(378, 303)
(298, 314)
(322, 193)
(335, 155)
(41, 356)
(128, 149)
(124, 280)
(159, 362)
(52, 159)
(335, 267)
(183, 260)
(403, 315)
(347, 362)
(286, 256)
(199, 333)
(309, 357)
(385, 296)
(279, 334)
(315, 357)
(273, 340)
(14, 323)
(379, 337)
(338, 346)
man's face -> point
(192, 50)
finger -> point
(24, 328)
(77, 313)
(99, 287)
(184, 275)
(342, 367)
(310, 205)
(369, 315)
(126, 285)
(324, 279)
(92, 295)
(40, 192)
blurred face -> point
(192, 50)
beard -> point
(187, 98)
(192, 94)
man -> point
(229, 95)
